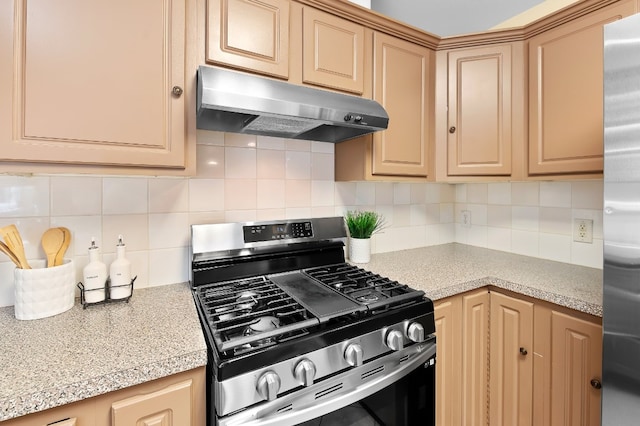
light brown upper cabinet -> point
(403, 84)
(250, 35)
(98, 82)
(565, 94)
(479, 111)
(333, 52)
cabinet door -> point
(511, 361)
(333, 52)
(576, 360)
(479, 111)
(77, 414)
(170, 406)
(402, 85)
(249, 34)
(92, 83)
(475, 358)
(565, 94)
(447, 319)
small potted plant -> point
(361, 225)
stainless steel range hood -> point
(230, 101)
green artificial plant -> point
(362, 224)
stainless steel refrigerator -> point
(621, 221)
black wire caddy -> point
(107, 289)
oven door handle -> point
(338, 391)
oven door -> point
(394, 390)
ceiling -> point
(454, 17)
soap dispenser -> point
(120, 273)
(94, 276)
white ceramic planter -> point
(360, 250)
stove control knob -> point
(415, 332)
(268, 385)
(305, 372)
(395, 340)
(353, 354)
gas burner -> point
(367, 296)
(262, 324)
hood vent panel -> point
(233, 102)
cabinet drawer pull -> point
(177, 91)
(595, 383)
(452, 129)
(523, 351)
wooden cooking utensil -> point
(6, 250)
(13, 240)
(63, 248)
(52, 241)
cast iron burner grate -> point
(362, 286)
(251, 313)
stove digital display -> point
(277, 231)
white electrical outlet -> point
(466, 219)
(583, 230)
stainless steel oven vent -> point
(235, 102)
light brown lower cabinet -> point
(507, 359)
(177, 400)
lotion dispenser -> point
(120, 273)
(94, 276)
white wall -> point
(247, 178)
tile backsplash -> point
(247, 178)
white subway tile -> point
(401, 215)
(24, 196)
(206, 195)
(587, 254)
(432, 214)
(525, 193)
(345, 194)
(477, 193)
(134, 229)
(447, 213)
(168, 195)
(322, 211)
(434, 192)
(461, 193)
(82, 228)
(76, 195)
(478, 214)
(168, 266)
(267, 142)
(555, 220)
(271, 194)
(240, 163)
(555, 194)
(240, 140)
(210, 161)
(322, 193)
(240, 215)
(125, 195)
(499, 193)
(499, 238)
(524, 242)
(326, 147)
(168, 230)
(209, 137)
(401, 193)
(384, 192)
(297, 145)
(31, 230)
(477, 236)
(298, 165)
(499, 216)
(587, 195)
(418, 193)
(270, 214)
(418, 214)
(297, 193)
(525, 218)
(240, 194)
(270, 164)
(322, 166)
(365, 193)
(297, 212)
(555, 247)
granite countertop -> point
(88, 352)
(450, 269)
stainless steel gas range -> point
(296, 334)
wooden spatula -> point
(6, 250)
(52, 241)
(13, 240)
(63, 248)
